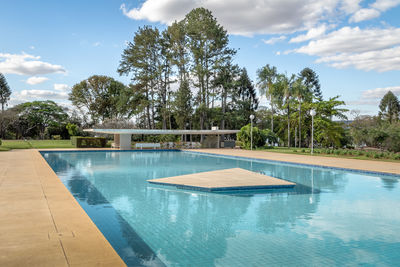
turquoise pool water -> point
(331, 217)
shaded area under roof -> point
(151, 131)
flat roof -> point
(153, 131)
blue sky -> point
(354, 46)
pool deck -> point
(355, 164)
(224, 180)
(41, 224)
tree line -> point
(184, 77)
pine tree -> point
(311, 80)
(5, 92)
(390, 107)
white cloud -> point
(42, 94)
(364, 49)
(375, 9)
(365, 14)
(311, 34)
(350, 6)
(32, 47)
(379, 60)
(25, 64)
(384, 5)
(274, 40)
(61, 87)
(36, 80)
(96, 44)
(378, 93)
(241, 17)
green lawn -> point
(320, 152)
(21, 144)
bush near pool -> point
(88, 142)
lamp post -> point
(251, 131)
(312, 113)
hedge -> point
(80, 141)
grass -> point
(342, 153)
(22, 144)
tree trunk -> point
(148, 110)
(272, 117)
(300, 124)
(288, 123)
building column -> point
(125, 141)
(116, 143)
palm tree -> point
(301, 91)
(266, 81)
(285, 85)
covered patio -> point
(123, 137)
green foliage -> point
(183, 105)
(40, 115)
(5, 91)
(259, 136)
(390, 107)
(311, 81)
(0, 142)
(373, 132)
(56, 137)
(88, 142)
(72, 128)
(99, 95)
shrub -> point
(0, 142)
(337, 152)
(239, 144)
(81, 142)
(259, 136)
(303, 150)
(73, 129)
(294, 150)
(396, 156)
(56, 137)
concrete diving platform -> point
(224, 180)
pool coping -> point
(202, 151)
(295, 163)
(41, 223)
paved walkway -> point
(41, 224)
(357, 164)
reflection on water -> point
(326, 219)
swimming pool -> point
(331, 217)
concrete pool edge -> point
(41, 222)
(354, 165)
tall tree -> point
(247, 96)
(225, 81)
(390, 107)
(302, 92)
(285, 85)
(99, 95)
(182, 105)
(267, 77)
(141, 59)
(178, 49)
(5, 93)
(311, 80)
(42, 114)
(208, 45)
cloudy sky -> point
(48, 46)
